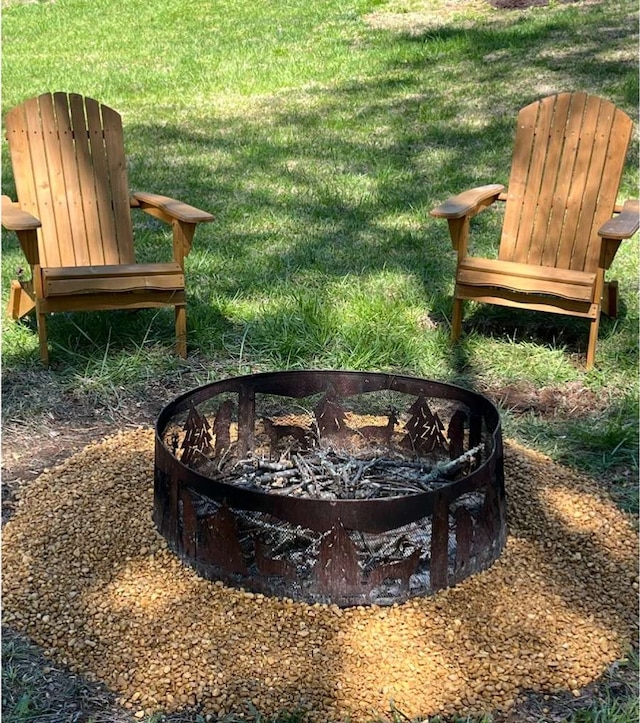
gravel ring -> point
(88, 578)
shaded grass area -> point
(323, 253)
(320, 135)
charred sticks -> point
(327, 474)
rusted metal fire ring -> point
(330, 550)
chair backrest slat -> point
(89, 248)
(75, 252)
(567, 166)
(117, 167)
(65, 158)
(42, 117)
(564, 137)
(613, 151)
(27, 145)
(101, 174)
(524, 184)
(574, 184)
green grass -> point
(320, 134)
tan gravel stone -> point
(87, 577)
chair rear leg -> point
(181, 331)
(456, 319)
(610, 299)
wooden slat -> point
(111, 284)
(76, 249)
(92, 253)
(615, 150)
(528, 279)
(58, 238)
(594, 189)
(116, 163)
(551, 180)
(512, 268)
(108, 302)
(518, 179)
(579, 183)
(44, 202)
(113, 270)
(533, 302)
(16, 125)
(526, 285)
(103, 192)
(562, 186)
(534, 180)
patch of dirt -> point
(427, 15)
(57, 693)
(571, 400)
(523, 4)
(30, 448)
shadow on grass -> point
(328, 184)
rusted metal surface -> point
(341, 550)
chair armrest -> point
(15, 219)
(625, 224)
(469, 203)
(170, 208)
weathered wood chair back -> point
(70, 172)
(567, 165)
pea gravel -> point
(87, 577)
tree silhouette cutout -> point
(222, 428)
(197, 438)
(330, 416)
(424, 428)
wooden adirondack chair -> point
(73, 217)
(559, 234)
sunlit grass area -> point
(320, 135)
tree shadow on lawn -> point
(553, 331)
(320, 191)
(338, 182)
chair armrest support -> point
(15, 219)
(168, 209)
(469, 203)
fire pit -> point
(347, 488)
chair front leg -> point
(593, 340)
(456, 319)
(181, 331)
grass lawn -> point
(320, 135)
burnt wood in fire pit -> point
(329, 486)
